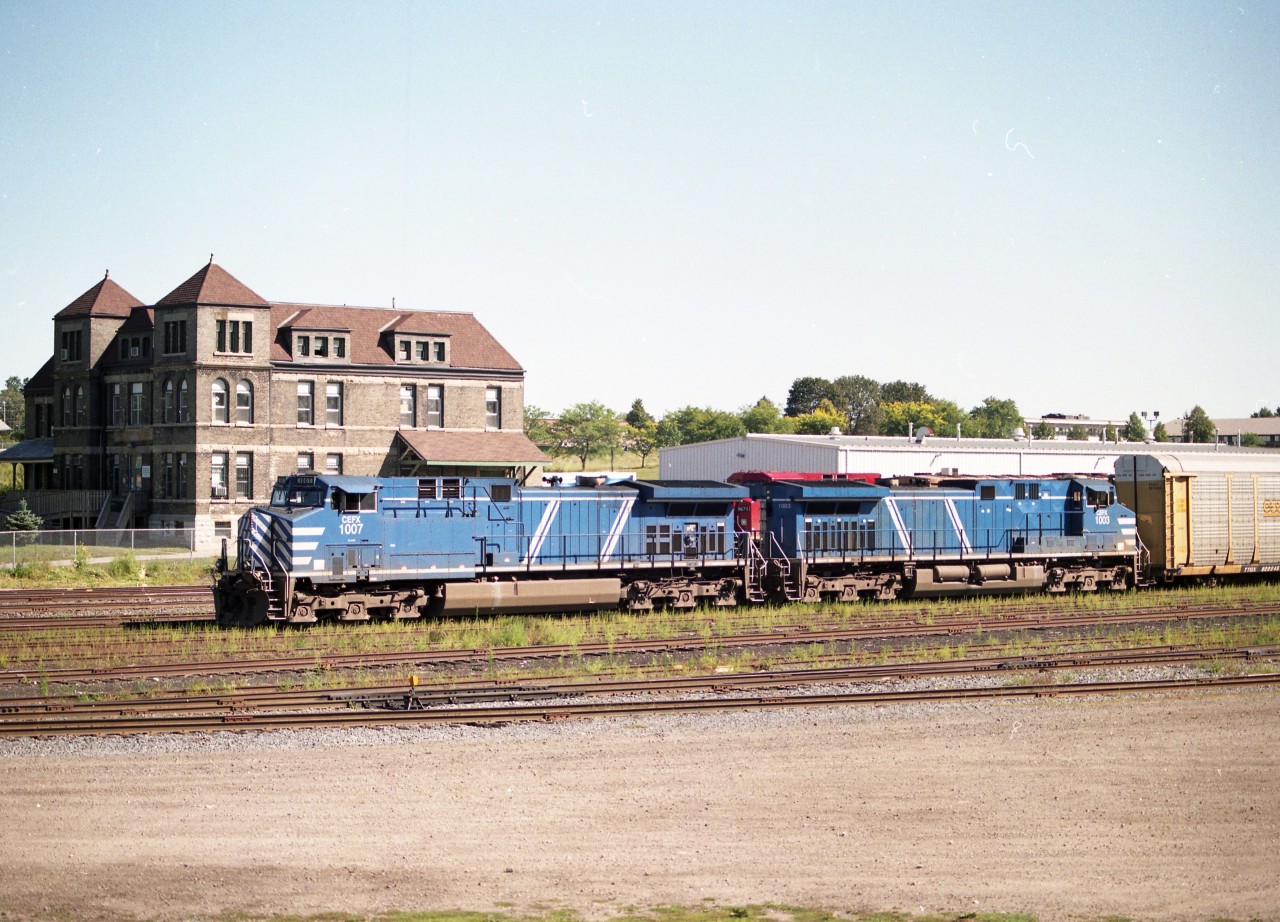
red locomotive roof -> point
(744, 477)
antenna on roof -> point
(393, 302)
(107, 274)
(211, 259)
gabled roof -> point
(42, 381)
(443, 446)
(141, 320)
(471, 346)
(213, 285)
(105, 299)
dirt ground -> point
(1157, 808)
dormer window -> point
(135, 347)
(422, 350)
(319, 346)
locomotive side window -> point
(354, 502)
(1099, 499)
(987, 493)
(500, 493)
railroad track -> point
(541, 711)
(25, 716)
(419, 658)
(122, 597)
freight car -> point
(1203, 518)
(355, 548)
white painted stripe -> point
(544, 526)
(309, 531)
(305, 545)
(896, 514)
(954, 514)
(611, 542)
(301, 562)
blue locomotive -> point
(355, 548)
(866, 537)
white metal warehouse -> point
(896, 456)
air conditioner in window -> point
(219, 491)
(63, 355)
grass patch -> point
(122, 570)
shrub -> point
(125, 566)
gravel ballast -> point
(1158, 807)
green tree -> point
(821, 421)
(638, 416)
(1110, 434)
(1044, 431)
(859, 399)
(1198, 427)
(642, 439)
(1134, 430)
(904, 392)
(1077, 434)
(23, 519)
(585, 429)
(14, 405)
(993, 419)
(765, 417)
(699, 424)
(1264, 413)
(904, 416)
(1250, 440)
(949, 419)
(1160, 433)
(537, 426)
(807, 393)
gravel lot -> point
(1165, 807)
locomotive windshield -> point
(295, 494)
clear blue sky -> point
(1072, 205)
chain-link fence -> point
(101, 545)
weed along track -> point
(112, 655)
(117, 681)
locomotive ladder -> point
(262, 569)
(757, 567)
(755, 570)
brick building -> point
(183, 413)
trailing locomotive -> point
(355, 548)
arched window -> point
(167, 405)
(244, 402)
(80, 405)
(67, 408)
(182, 401)
(220, 401)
